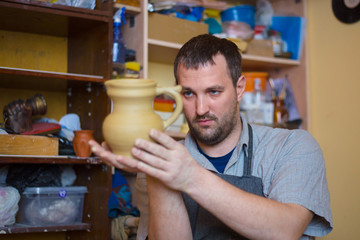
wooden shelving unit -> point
(88, 37)
(164, 52)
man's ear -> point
(240, 87)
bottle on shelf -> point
(255, 105)
(119, 46)
(281, 114)
(258, 98)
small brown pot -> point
(80, 142)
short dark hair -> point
(201, 49)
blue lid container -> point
(241, 13)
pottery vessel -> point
(38, 104)
(80, 142)
(132, 113)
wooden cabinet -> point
(65, 53)
(157, 55)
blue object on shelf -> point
(119, 46)
(240, 13)
(214, 25)
(292, 31)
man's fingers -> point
(95, 147)
(121, 162)
(105, 146)
(149, 159)
(163, 139)
(151, 171)
(152, 148)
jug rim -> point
(131, 82)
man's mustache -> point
(206, 116)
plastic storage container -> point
(51, 205)
(240, 13)
(251, 77)
(250, 80)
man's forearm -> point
(250, 215)
(168, 216)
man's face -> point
(210, 101)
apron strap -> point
(248, 158)
(206, 226)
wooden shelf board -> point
(165, 52)
(22, 228)
(37, 159)
(129, 9)
(164, 44)
(267, 62)
(51, 74)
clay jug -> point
(80, 142)
(132, 113)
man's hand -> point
(166, 160)
(117, 161)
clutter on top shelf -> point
(292, 29)
(264, 13)
(260, 47)
(240, 13)
(184, 10)
(266, 34)
(90, 4)
(241, 44)
(285, 32)
(157, 5)
(236, 29)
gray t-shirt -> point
(291, 166)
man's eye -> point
(187, 94)
(214, 92)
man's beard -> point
(220, 132)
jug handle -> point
(175, 93)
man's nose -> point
(202, 106)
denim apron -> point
(204, 225)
